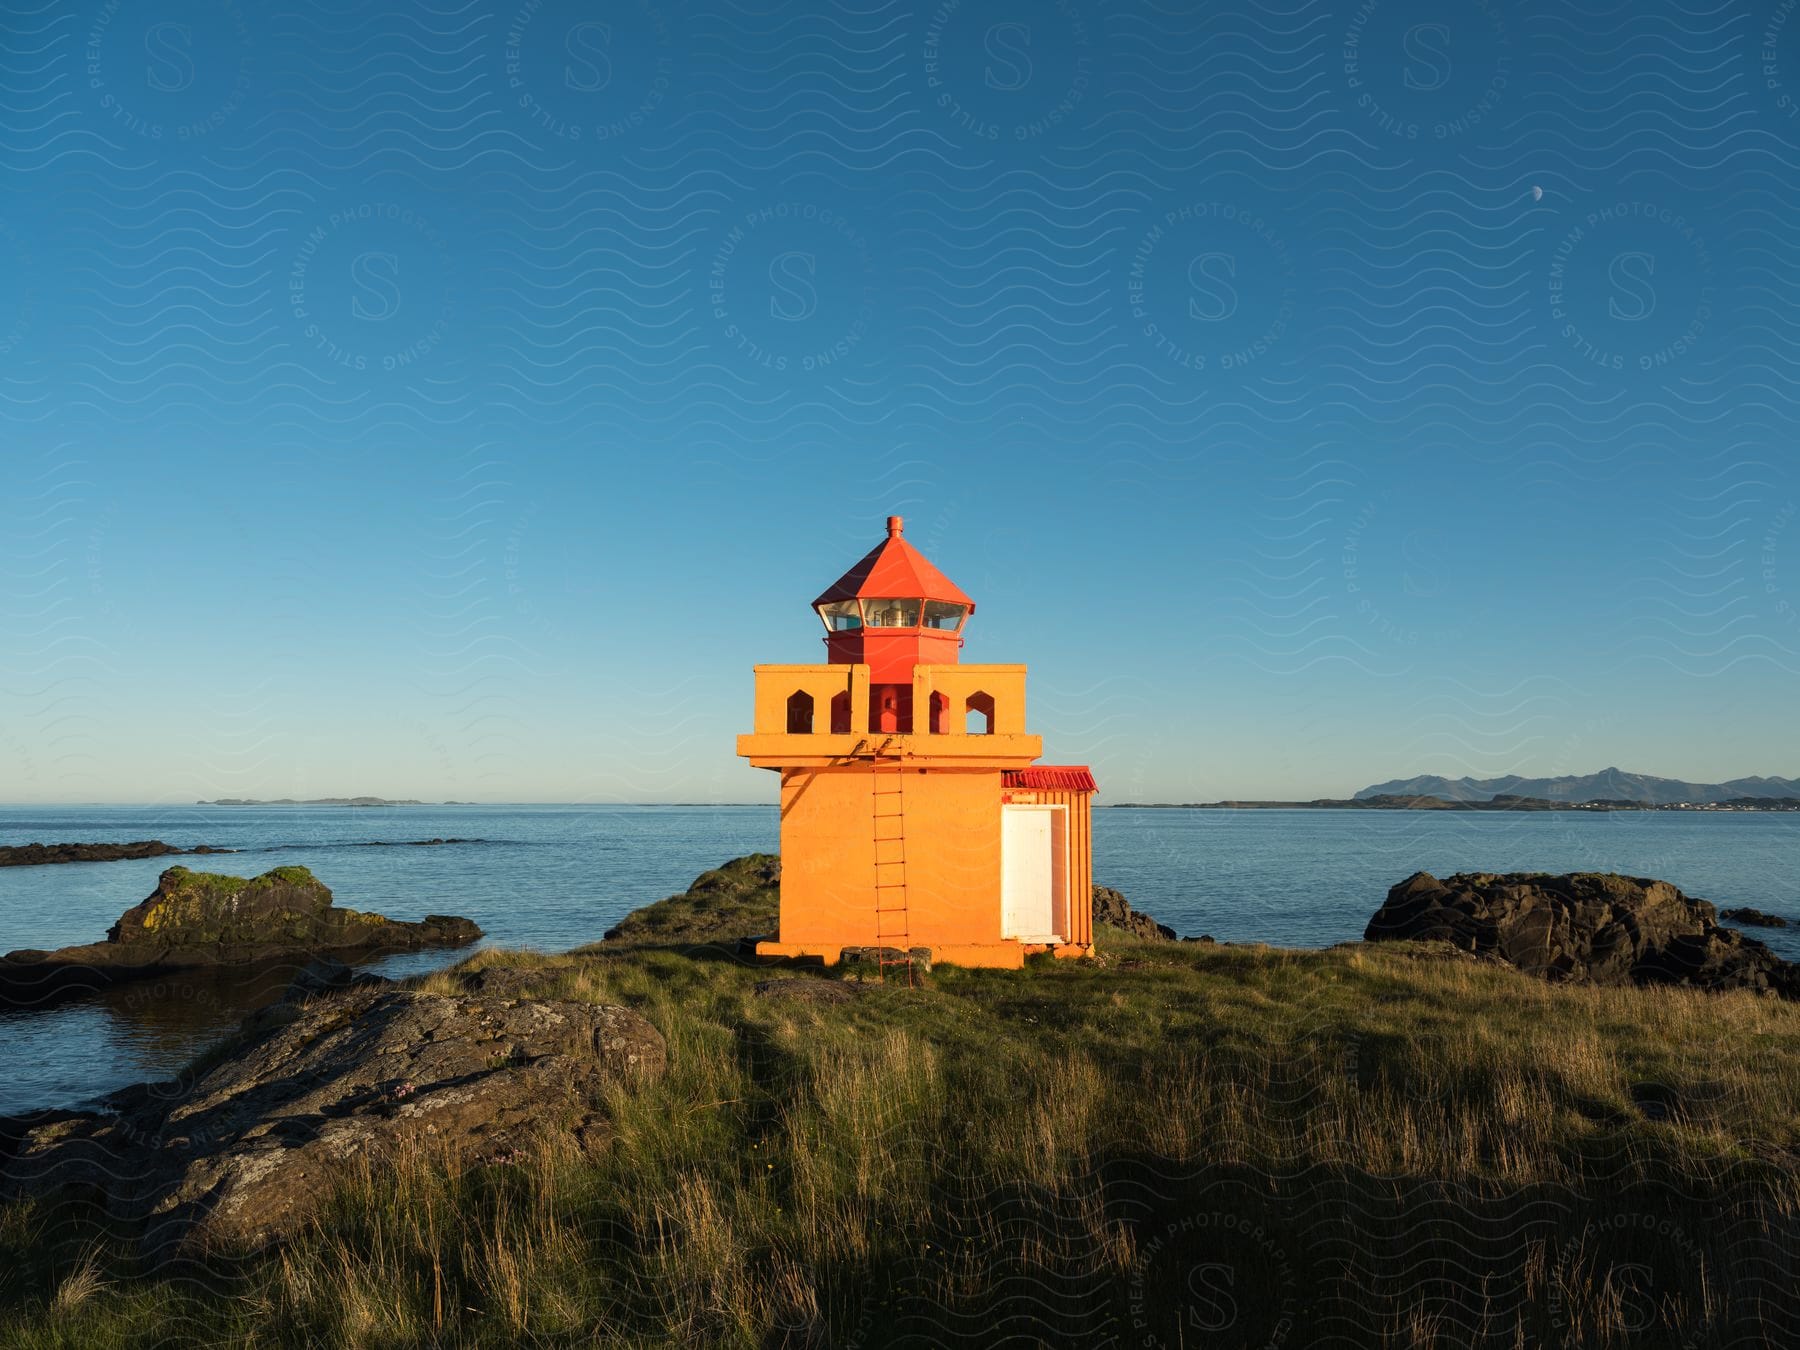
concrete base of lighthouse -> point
(990, 955)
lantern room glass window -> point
(841, 615)
(891, 613)
(943, 614)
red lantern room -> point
(891, 612)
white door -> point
(1033, 872)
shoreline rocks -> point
(1114, 910)
(1586, 927)
(240, 1153)
(205, 920)
(1752, 918)
(416, 843)
(43, 855)
(724, 905)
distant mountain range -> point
(1607, 785)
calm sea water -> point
(553, 877)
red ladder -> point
(892, 922)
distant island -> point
(320, 801)
(1501, 802)
(1609, 790)
(1612, 784)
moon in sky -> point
(1537, 193)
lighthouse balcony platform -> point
(973, 714)
(783, 751)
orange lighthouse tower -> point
(913, 814)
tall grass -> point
(1212, 1143)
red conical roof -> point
(894, 569)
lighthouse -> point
(914, 815)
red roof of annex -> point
(1051, 778)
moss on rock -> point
(740, 899)
(210, 908)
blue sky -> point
(454, 401)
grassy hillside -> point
(1174, 1145)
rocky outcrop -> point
(326, 975)
(204, 919)
(737, 900)
(741, 900)
(40, 855)
(416, 843)
(243, 1153)
(1589, 927)
(1113, 910)
(1752, 918)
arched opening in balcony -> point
(979, 712)
(800, 713)
(940, 715)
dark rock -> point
(1752, 918)
(436, 930)
(1588, 927)
(504, 981)
(740, 897)
(40, 855)
(327, 975)
(322, 975)
(242, 1154)
(1113, 910)
(204, 919)
(15, 1130)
